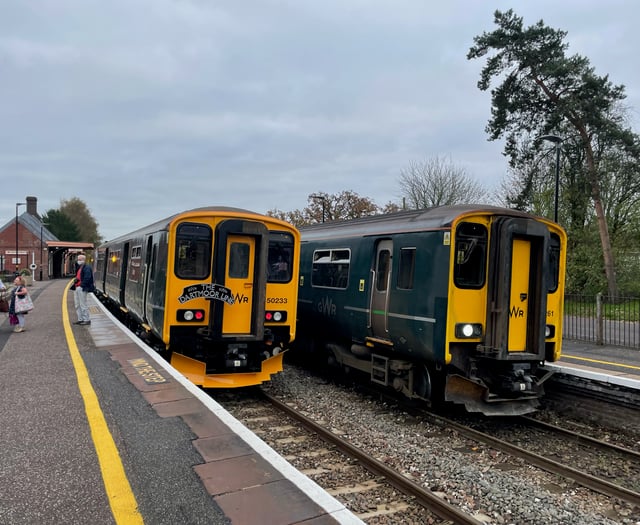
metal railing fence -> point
(601, 320)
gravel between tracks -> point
(490, 485)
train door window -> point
(154, 257)
(193, 250)
(406, 268)
(383, 267)
(470, 255)
(331, 268)
(135, 264)
(113, 267)
(100, 263)
(554, 260)
(280, 257)
(239, 260)
(150, 256)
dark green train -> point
(460, 303)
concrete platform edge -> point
(318, 495)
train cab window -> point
(239, 253)
(331, 268)
(280, 257)
(470, 255)
(406, 268)
(554, 260)
(193, 251)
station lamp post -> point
(323, 199)
(557, 141)
(18, 204)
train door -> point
(518, 286)
(240, 266)
(520, 294)
(379, 308)
(239, 274)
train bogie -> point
(462, 303)
(215, 289)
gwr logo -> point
(516, 312)
(326, 307)
(240, 298)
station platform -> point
(608, 364)
(96, 428)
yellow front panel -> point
(464, 305)
(239, 279)
(519, 301)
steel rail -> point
(581, 438)
(424, 497)
(586, 480)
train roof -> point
(440, 217)
(163, 224)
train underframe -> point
(213, 362)
(489, 386)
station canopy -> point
(70, 246)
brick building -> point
(26, 243)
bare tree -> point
(325, 207)
(438, 182)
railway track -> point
(459, 461)
(370, 489)
(549, 447)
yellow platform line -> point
(121, 498)
(600, 362)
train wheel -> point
(422, 382)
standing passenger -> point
(84, 285)
(19, 290)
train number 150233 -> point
(277, 300)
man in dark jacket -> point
(84, 285)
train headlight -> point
(468, 330)
(190, 316)
(549, 331)
(275, 316)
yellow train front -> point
(214, 289)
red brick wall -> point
(28, 248)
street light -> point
(41, 228)
(18, 204)
(322, 198)
(557, 141)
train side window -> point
(554, 260)
(135, 263)
(470, 255)
(280, 257)
(239, 260)
(331, 268)
(193, 251)
(382, 272)
(113, 266)
(406, 268)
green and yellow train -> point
(214, 289)
(461, 303)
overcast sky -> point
(144, 108)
